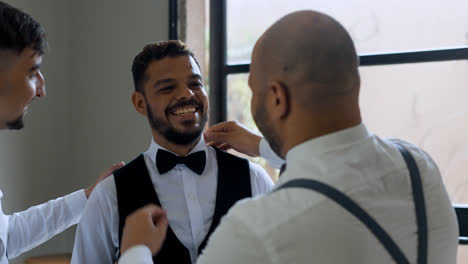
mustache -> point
(183, 103)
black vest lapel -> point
(135, 190)
(233, 185)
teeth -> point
(185, 110)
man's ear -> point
(139, 102)
(280, 99)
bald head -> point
(304, 80)
(313, 55)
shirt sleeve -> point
(261, 182)
(96, 238)
(38, 224)
(234, 242)
(137, 255)
(267, 153)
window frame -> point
(173, 33)
(219, 71)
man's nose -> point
(40, 88)
(184, 92)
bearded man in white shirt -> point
(195, 184)
(22, 45)
(305, 100)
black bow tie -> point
(165, 161)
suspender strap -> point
(419, 203)
(348, 204)
(352, 207)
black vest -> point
(135, 190)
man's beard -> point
(168, 131)
(261, 119)
(16, 124)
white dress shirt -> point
(267, 153)
(188, 198)
(303, 226)
(137, 255)
(25, 230)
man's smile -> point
(189, 109)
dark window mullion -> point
(218, 60)
(173, 17)
(414, 57)
(387, 58)
(462, 215)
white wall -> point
(109, 33)
(86, 122)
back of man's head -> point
(154, 52)
(314, 55)
(18, 31)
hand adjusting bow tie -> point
(165, 161)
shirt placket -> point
(194, 208)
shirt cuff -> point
(267, 153)
(76, 202)
(139, 254)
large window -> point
(376, 26)
(414, 70)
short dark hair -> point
(157, 51)
(19, 31)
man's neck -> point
(180, 150)
(305, 130)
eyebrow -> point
(163, 81)
(195, 76)
(171, 80)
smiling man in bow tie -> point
(194, 183)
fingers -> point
(233, 135)
(111, 169)
(157, 214)
(219, 129)
(161, 222)
(215, 138)
(154, 211)
(146, 226)
(223, 126)
(224, 147)
(118, 165)
(218, 143)
(115, 167)
(104, 175)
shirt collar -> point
(306, 151)
(153, 148)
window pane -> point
(423, 103)
(375, 25)
(239, 95)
